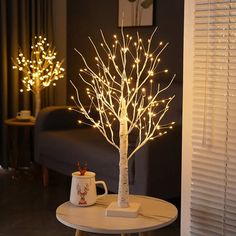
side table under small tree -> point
(19, 151)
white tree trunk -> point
(37, 97)
(123, 191)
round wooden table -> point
(154, 214)
(17, 122)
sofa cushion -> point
(84, 145)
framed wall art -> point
(135, 13)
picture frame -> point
(135, 13)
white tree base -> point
(129, 212)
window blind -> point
(213, 186)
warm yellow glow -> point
(39, 70)
(151, 73)
(127, 75)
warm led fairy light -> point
(119, 86)
(125, 90)
(40, 70)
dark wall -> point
(86, 18)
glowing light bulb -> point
(151, 72)
(40, 67)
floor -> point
(28, 209)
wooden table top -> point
(154, 213)
(17, 122)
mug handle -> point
(18, 113)
(104, 186)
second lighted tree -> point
(124, 90)
(40, 69)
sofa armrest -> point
(54, 118)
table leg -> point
(140, 234)
(24, 146)
(80, 233)
(143, 234)
(13, 153)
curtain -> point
(20, 21)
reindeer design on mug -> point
(82, 194)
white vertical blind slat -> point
(213, 189)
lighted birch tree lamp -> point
(124, 90)
(40, 70)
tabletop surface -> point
(154, 213)
(17, 122)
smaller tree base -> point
(129, 212)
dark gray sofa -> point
(60, 143)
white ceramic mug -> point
(24, 114)
(83, 189)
